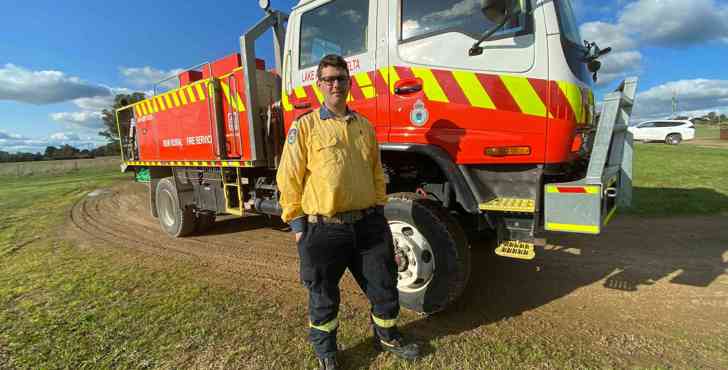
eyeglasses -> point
(329, 80)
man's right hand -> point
(298, 236)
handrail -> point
(196, 66)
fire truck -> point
(483, 110)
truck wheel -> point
(431, 251)
(673, 139)
(205, 221)
(174, 221)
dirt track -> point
(654, 289)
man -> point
(333, 195)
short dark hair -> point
(332, 60)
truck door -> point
(342, 27)
(439, 93)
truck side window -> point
(422, 18)
(338, 27)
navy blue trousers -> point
(326, 250)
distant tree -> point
(50, 152)
(110, 131)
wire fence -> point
(57, 167)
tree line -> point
(109, 132)
(61, 152)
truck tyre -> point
(673, 139)
(175, 221)
(431, 251)
(205, 220)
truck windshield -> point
(422, 18)
(569, 27)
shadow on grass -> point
(632, 254)
(671, 201)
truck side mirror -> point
(264, 4)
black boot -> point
(328, 363)
(399, 346)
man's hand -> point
(298, 236)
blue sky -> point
(61, 62)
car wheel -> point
(673, 139)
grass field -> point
(67, 306)
(40, 168)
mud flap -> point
(587, 205)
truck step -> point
(516, 249)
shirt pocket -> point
(327, 151)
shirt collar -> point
(325, 113)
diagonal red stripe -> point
(379, 83)
(356, 92)
(498, 93)
(451, 87)
(404, 73)
(560, 104)
(542, 90)
(311, 96)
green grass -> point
(68, 306)
(680, 180)
(707, 131)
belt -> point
(348, 217)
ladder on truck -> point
(587, 205)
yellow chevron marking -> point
(226, 92)
(286, 103)
(168, 101)
(390, 75)
(573, 95)
(432, 88)
(148, 107)
(319, 95)
(137, 111)
(160, 103)
(182, 96)
(191, 93)
(473, 90)
(200, 92)
(366, 85)
(241, 106)
(175, 98)
(140, 108)
(300, 92)
(524, 95)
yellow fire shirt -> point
(330, 164)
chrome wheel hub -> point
(414, 256)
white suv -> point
(670, 131)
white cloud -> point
(617, 65)
(63, 136)
(148, 76)
(460, 9)
(676, 22)
(606, 34)
(44, 87)
(83, 119)
(698, 95)
(17, 143)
